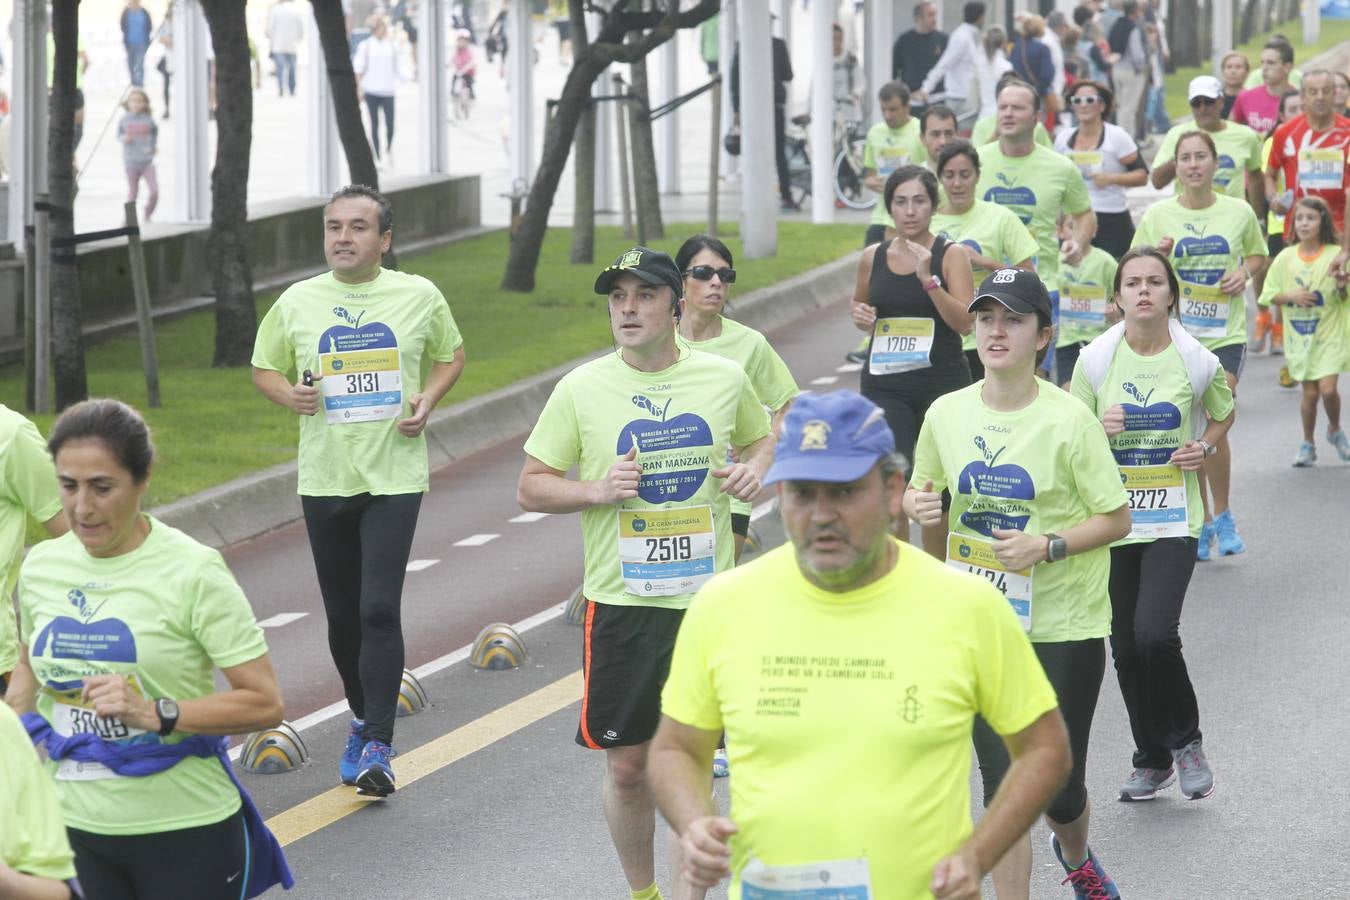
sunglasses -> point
(1202, 101)
(705, 273)
(1085, 100)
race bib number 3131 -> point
(835, 879)
(362, 375)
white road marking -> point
(281, 619)
(849, 367)
(825, 379)
(476, 540)
(417, 565)
(528, 517)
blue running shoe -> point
(1090, 881)
(1230, 543)
(350, 763)
(1206, 539)
(375, 777)
(721, 768)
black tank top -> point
(903, 296)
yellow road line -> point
(319, 812)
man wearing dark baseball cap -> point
(648, 428)
(845, 665)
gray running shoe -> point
(1144, 784)
(1307, 455)
(1197, 778)
(1341, 443)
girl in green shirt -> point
(1300, 280)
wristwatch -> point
(1206, 446)
(1057, 550)
(933, 283)
(167, 710)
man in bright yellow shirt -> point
(847, 669)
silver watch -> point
(1209, 448)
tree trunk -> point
(71, 381)
(231, 277)
(646, 186)
(1183, 33)
(1247, 27)
(337, 59)
(583, 213)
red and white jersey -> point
(1314, 164)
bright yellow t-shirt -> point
(848, 715)
(32, 832)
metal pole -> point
(140, 286)
(520, 85)
(1221, 37)
(192, 167)
(434, 94)
(28, 134)
(670, 122)
(714, 158)
(42, 287)
(604, 126)
(325, 174)
(29, 308)
(727, 35)
(759, 195)
(822, 113)
(621, 129)
(880, 35)
(1312, 21)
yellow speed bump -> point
(325, 809)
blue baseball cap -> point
(830, 437)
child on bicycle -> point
(463, 63)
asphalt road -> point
(520, 817)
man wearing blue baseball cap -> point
(847, 669)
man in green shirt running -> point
(648, 428)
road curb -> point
(264, 501)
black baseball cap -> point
(652, 266)
(1019, 290)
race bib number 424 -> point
(976, 556)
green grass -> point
(214, 426)
(1333, 32)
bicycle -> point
(850, 143)
(461, 97)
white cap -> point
(1204, 86)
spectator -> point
(1055, 39)
(916, 51)
(957, 63)
(139, 136)
(782, 74)
(1130, 71)
(379, 71)
(165, 65)
(359, 13)
(1091, 44)
(709, 43)
(1155, 115)
(285, 30)
(1342, 94)
(1031, 58)
(1259, 108)
(463, 64)
(1234, 70)
(136, 31)
(404, 15)
(847, 80)
(990, 67)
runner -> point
(937, 128)
(1217, 247)
(1109, 161)
(1037, 184)
(648, 428)
(911, 297)
(1160, 439)
(1318, 350)
(383, 350)
(1238, 147)
(1085, 309)
(27, 490)
(864, 688)
(891, 144)
(708, 271)
(1311, 149)
(1235, 68)
(986, 128)
(993, 236)
(1268, 332)
(1036, 524)
(35, 856)
(1258, 107)
(124, 622)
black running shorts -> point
(626, 654)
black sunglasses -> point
(705, 273)
(1202, 101)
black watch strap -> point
(167, 710)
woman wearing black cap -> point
(911, 297)
(1035, 501)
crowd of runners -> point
(1047, 387)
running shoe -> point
(1341, 443)
(375, 777)
(1206, 538)
(1090, 881)
(1144, 784)
(1225, 529)
(1277, 339)
(350, 763)
(1260, 332)
(1197, 778)
(721, 768)
(1307, 455)
(1286, 380)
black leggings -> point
(361, 546)
(905, 400)
(1075, 670)
(209, 862)
(780, 152)
(1148, 586)
(374, 104)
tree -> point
(72, 384)
(646, 186)
(608, 47)
(583, 169)
(231, 277)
